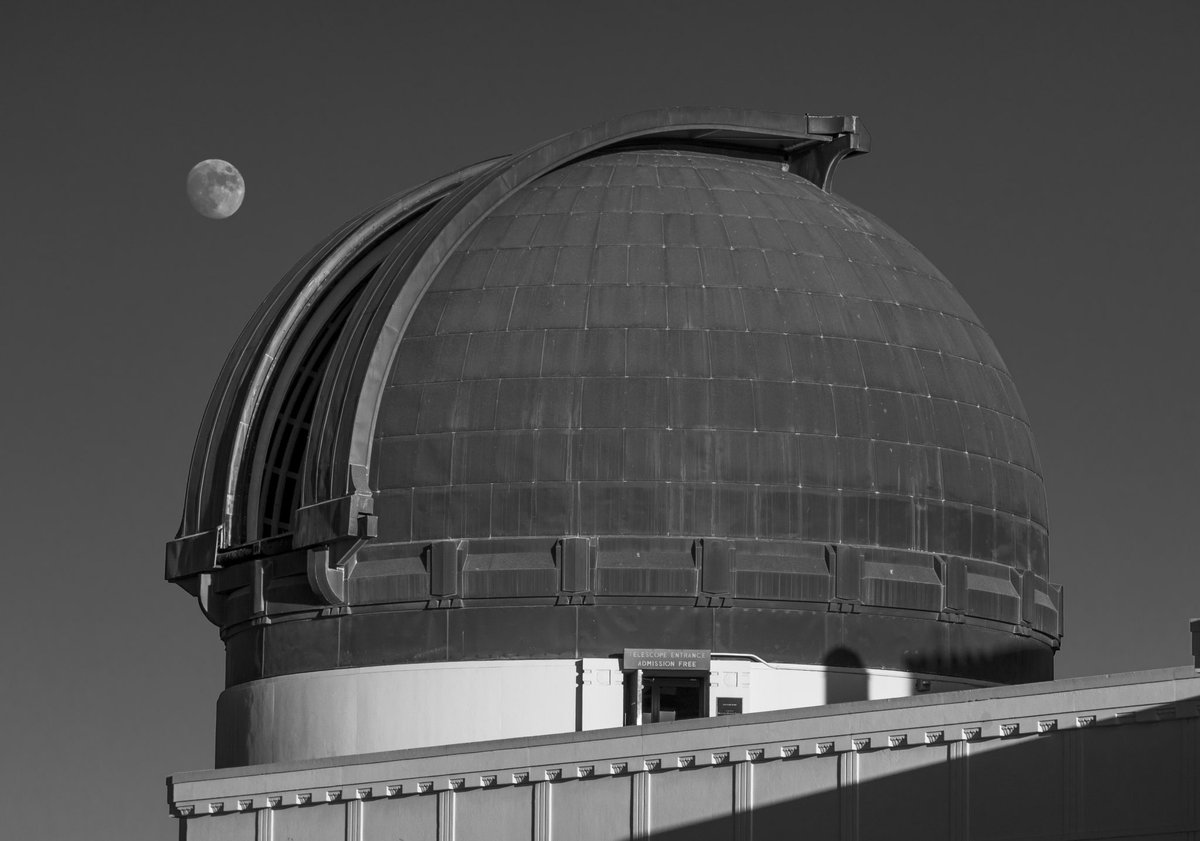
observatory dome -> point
(650, 383)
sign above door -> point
(666, 659)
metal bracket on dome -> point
(331, 520)
(329, 565)
(204, 587)
(192, 554)
(843, 137)
(212, 603)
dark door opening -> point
(666, 698)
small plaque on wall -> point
(729, 706)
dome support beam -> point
(816, 163)
(330, 565)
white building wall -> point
(780, 686)
(349, 711)
(602, 693)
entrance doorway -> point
(666, 698)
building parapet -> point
(994, 713)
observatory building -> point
(569, 447)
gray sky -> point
(1041, 154)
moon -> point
(215, 188)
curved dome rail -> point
(246, 378)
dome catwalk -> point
(649, 384)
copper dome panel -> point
(675, 343)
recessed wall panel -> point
(411, 816)
(591, 809)
(906, 788)
(1156, 786)
(494, 814)
(318, 822)
(697, 800)
(796, 798)
(1016, 788)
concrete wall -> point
(344, 712)
(782, 686)
(351, 711)
(1110, 757)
